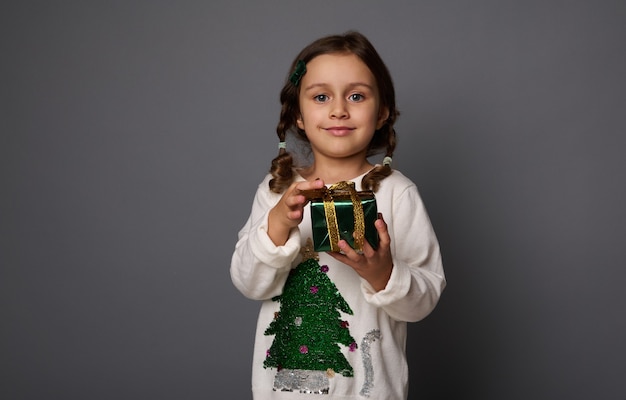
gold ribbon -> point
(331, 215)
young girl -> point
(334, 323)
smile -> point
(339, 130)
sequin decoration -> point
(353, 346)
(307, 251)
(308, 330)
(369, 338)
(313, 382)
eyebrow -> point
(350, 85)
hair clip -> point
(387, 161)
(298, 73)
(282, 145)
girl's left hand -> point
(373, 265)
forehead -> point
(337, 68)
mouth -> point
(339, 130)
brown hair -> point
(384, 139)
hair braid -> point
(371, 181)
(282, 164)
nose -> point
(339, 109)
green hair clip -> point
(298, 73)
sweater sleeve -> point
(417, 278)
(258, 267)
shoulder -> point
(263, 192)
(265, 183)
(399, 191)
(396, 183)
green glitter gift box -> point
(340, 212)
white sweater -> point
(259, 269)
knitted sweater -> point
(346, 339)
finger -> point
(295, 215)
(310, 185)
(368, 250)
(295, 200)
(348, 251)
(343, 258)
(310, 188)
(383, 234)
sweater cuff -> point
(396, 289)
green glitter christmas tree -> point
(308, 328)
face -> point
(340, 106)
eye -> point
(356, 97)
(320, 98)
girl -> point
(335, 323)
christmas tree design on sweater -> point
(308, 330)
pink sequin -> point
(304, 349)
(314, 289)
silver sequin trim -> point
(369, 338)
(303, 381)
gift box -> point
(340, 212)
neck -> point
(333, 171)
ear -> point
(382, 117)
(300, 123)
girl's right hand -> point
(287, 213)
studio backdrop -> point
(133, 136)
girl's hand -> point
(287, 213)
(373, 265)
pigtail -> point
(371, 181)
(282, 167)
(282, 164)
(383, 138)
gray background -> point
(134, 134)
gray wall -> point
(133, 135)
